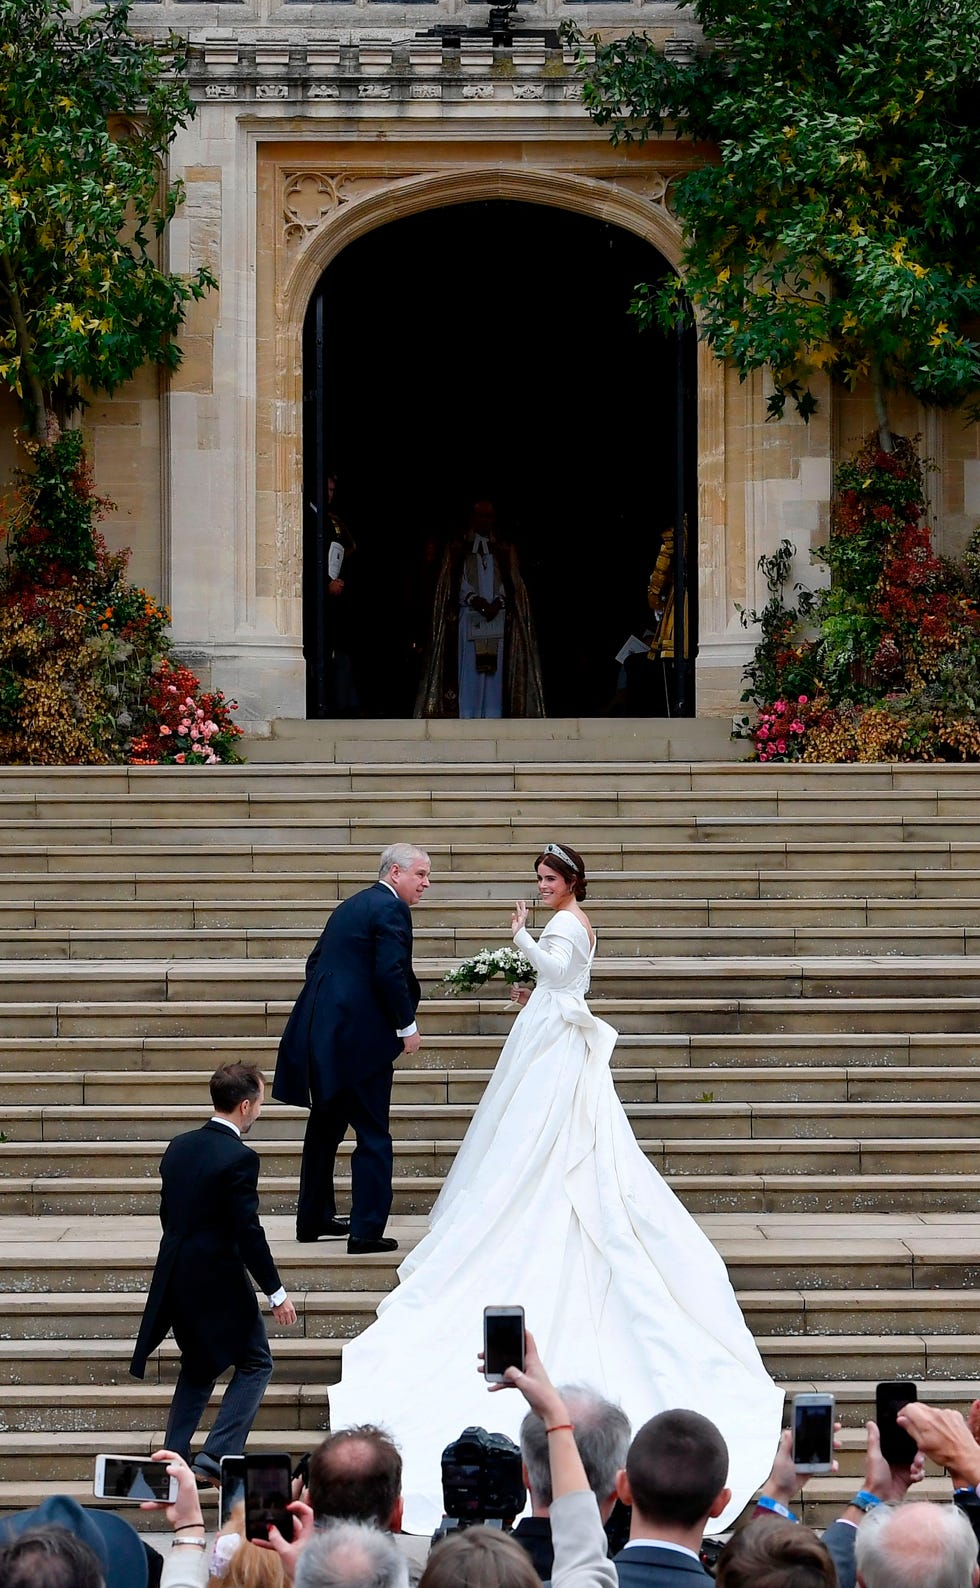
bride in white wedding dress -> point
(551, 1204)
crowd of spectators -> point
(578, 1461)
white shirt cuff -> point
(409, 1031)
(279, 1297)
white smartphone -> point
(133, 1478)
(232, 1486)
(813, 1433)
(503, 1341)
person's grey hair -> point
(400, 855)
(351, 1555)
(602, 1435)
(916, 1545)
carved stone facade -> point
(316, 123)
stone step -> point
(123, 1419)
(785, 1182)
(777, 940)
(499, 794)
(814, 1251)
(596, 834)
(316, 1362)
(53, 1410)
(224, 877)
(66, 922)
(72, 886)
(96, 1316)
(769, 1059)
(575, 739)
(420, 1152)
(772, 978)
(865, 1126)
(883, 1018)
(833, 780)
(636, 1082)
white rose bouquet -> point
(474, 973)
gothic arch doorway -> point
(485, 350)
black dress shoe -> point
(381, 1243)
(206, 1470)
(335, 1227)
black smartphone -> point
(268, 1491)
(813, 1432)
(232, 1486)
(503, 1341)
(897, 1446)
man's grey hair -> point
(400, 855)
(916, 1545)
(351, 1555)
(602, 1434)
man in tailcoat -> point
(212, 1240)
(353, 1017)
(674, 1479)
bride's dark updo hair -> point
(569, 864)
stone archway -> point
(313, 203)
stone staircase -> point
(791, 955)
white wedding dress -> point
(551, 1204)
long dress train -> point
(552, 1204)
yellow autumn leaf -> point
(723, 276)
(918, 271)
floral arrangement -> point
(885, 665)
(83, 671)
(515, 968)
(186, 728)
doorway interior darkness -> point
(485, 349)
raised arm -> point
(555, 950)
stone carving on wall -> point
(272, 90)
(311, 198)
(654, 186)
(528, 90)
(426, 91)
(323, 91)
(478, 91)
(221, 90)
(374, 90)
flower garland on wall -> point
(885, 665)
(84, 674)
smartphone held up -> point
(897, 1446)
(267, 1481)
(133, 1478)
(813, 1433)
(503, 1342)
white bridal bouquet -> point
(509, 963)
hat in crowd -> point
(116, 1543)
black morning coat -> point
(212, 1240)
(359, 991)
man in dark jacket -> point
(675, 1477)
(212, 1240)
(353, 1017)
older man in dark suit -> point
(212, 1240)
(674, 1479)
(353, 1017)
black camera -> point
(481, 1480)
